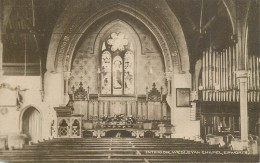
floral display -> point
(118, 121)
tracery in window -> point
(117, 41)
(117, 65)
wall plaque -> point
(183, 97)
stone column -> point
(242, 76)
(66, 76)
(53, 87)
(180, 116)
(169, 99)
(168, 77)
(193, 99)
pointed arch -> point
(147, 17)
(30, 120)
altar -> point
(94, 115)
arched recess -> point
(150, 19)
(31, 123)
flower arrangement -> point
(118, 120)
(130, 120)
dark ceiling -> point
(31, 22)
(30, 25)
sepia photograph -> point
(120, 81)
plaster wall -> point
(11, 118)
(180, 116)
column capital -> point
(242, 73)
(193, 95)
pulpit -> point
(68, 124)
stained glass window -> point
(117, 75)
(106, 73)
(117, 66)
(129, 72)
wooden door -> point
(31, 124)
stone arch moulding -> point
(22, 113)
(81, 23)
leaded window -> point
(117, 65)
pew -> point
(124, 150)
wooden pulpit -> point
(68, 125)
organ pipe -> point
(214, 74)
(210, 73)
(226, 74)
(233, 72)
(249, 83)
(218, 74)
(257, 78)
(230, 73)
(203, 74)
(207, 76)
(219, 80)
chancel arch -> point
(112, 41)
(160, 56)
(80, 24)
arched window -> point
(117, 65)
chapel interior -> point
(127, 78)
